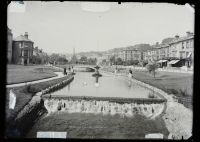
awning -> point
(188, 56)
(173, 61)
(161, 61)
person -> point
(116, 70)
(65, 71)
(130, 74)
(59, 105)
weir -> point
(103, 107)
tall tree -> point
(152, 68)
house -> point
(9, 45)
(130, 54)
(176, 53)
(183, 49)
(22, 49)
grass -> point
(169, 82)
(79, 125)
(20, 73)
(179, 84)
(24, 95)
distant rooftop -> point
(22, 38)
(181, 39)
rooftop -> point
(181, 39)
(22, 38)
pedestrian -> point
(130, 74)
(59, 105)
(72, 70)
(116, 70)
(65, 71)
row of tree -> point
(57, 59)
(85, 60)
(39, 59)
(119, 61)
(61, 59)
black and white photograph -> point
(99, 70)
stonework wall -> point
(9, 47)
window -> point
(191, 44)
(25, 53)
(182, 45)
(187, 44)
(187, 54)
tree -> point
(83, 59)
(134, 62)
(119, 61)
(144, 63)
(112, 59)
(92, 61)
(152, 68)
(54, 57)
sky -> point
(58, 27)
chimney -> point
(188, 33)
(26, 34)
(36, 48)
(176, 36)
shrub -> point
(173, 91)
(183, 92)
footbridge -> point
(85, 67)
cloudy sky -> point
(60, 27)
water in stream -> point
(106, 86)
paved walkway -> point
(59, 75)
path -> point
(59, 75)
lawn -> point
(99, 126)
(179, 84)
(20, 73)
(24, 95)
(169, 82)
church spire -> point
(73, 51)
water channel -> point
(100, 119)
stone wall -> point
(31, 112)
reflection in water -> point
(68, 87)
(97, 81)
(84, 84)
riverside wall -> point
(31, 112)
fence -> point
(168, 69)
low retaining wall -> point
(31, 112)
(56, 86)
(110, 99)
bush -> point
(173, 91)
(31, 89)
(183, 92)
